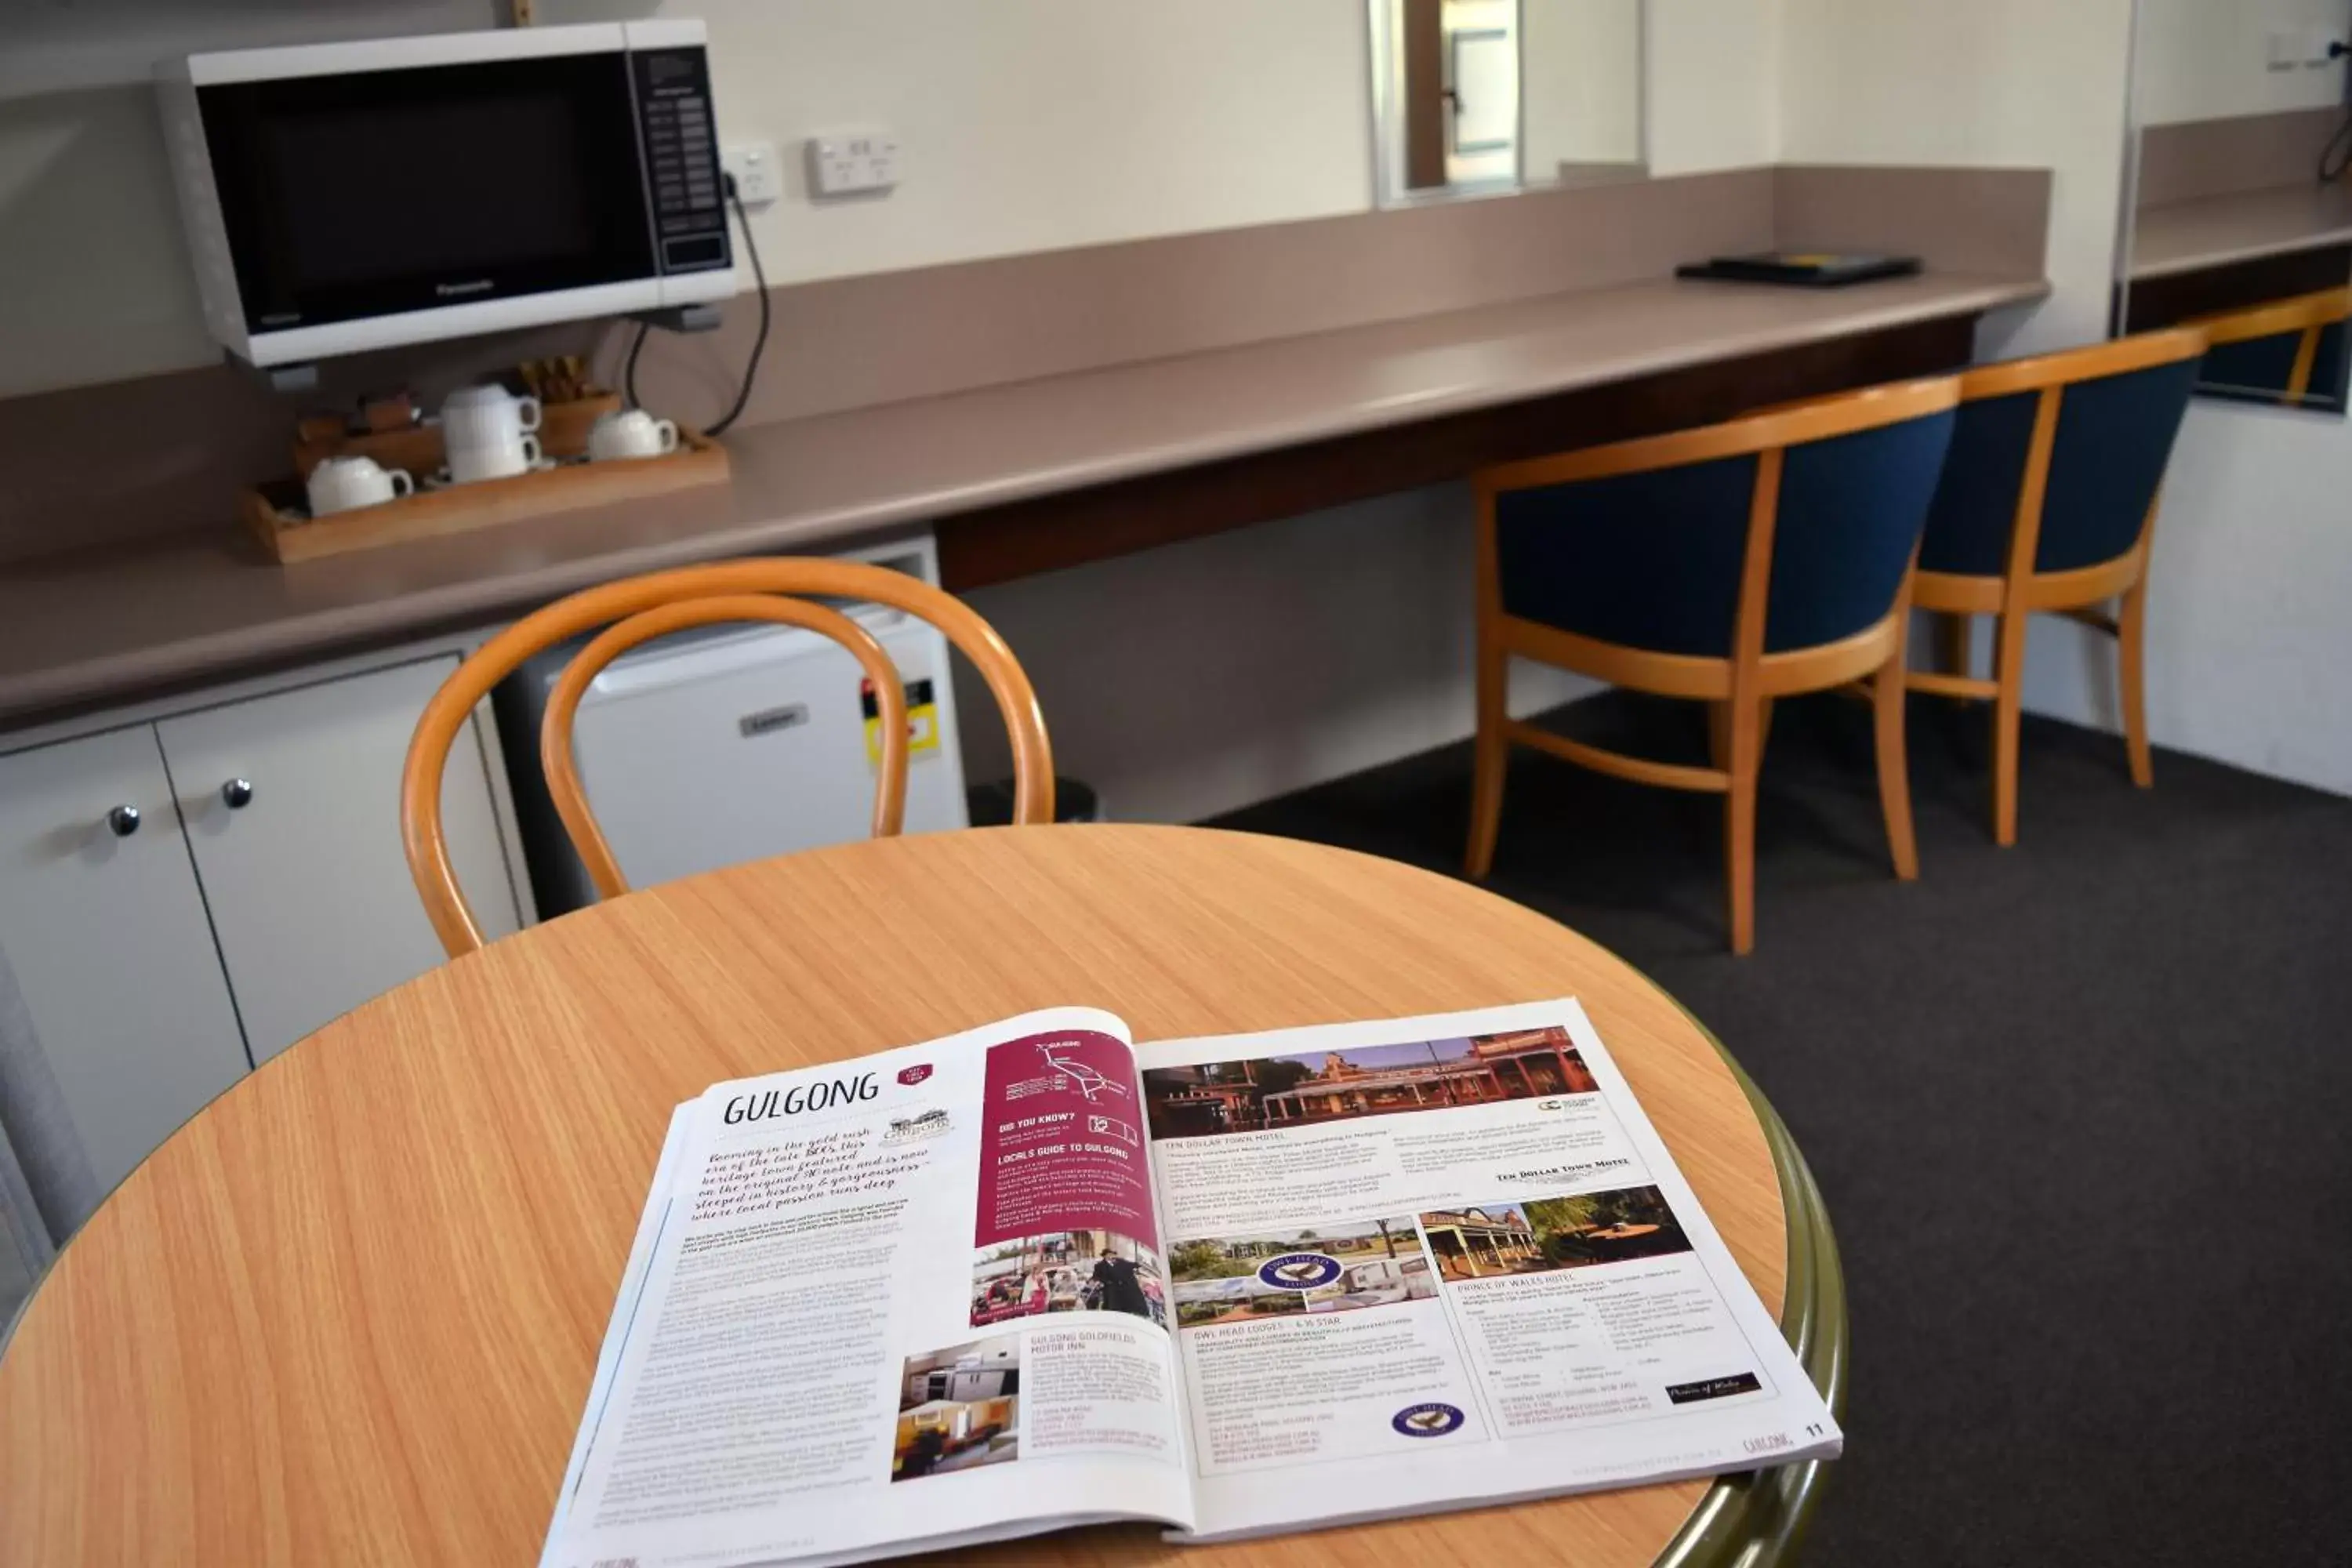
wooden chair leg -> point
(1492, 754)
(1953, 638)
(2131, 632)
(1718, 733)
(2008, 711)
(1745, 746)
(1894, 767)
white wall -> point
(2021, 82)
(1035, 124)
(1208, 675)
(2247, 635)
(2249, 641)
(1713, 88)
(1582, 88)
(2204, 59)
(2252, 559)
(1199, 677)
(1185, 682)
(69, 45)
(1026, 125)
(95, 284)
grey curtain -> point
(45, 1185)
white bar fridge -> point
(733, 743)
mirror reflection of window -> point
(1482, 93)
(1473, 97)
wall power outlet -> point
(853, 163)
(758, 172)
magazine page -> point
(891, 1304)
(624, 1307)
(1445, 1261)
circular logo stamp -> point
(932, 1123)
(1426, 1420)
(1298, 1270)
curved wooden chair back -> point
(1748, 651)
(2307, 316)
(2055, 469)
(2062, 367)
(642, 608)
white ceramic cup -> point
(499, 460)
(631, 433)
(486, 432)
(340, 484)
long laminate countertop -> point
(2245, 226)
(87, 628)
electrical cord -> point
(759, 343)
(629, 371)
(2337, 153)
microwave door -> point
(374, 193)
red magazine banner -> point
(1061, 1140)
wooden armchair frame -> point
(1741, 686)
(2019, 590)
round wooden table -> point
(349, 1312)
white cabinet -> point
(159, 961)
(106, 934)
(292, 806)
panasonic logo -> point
(473, 285)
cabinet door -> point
(309, 888)
(107, 937)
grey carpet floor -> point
(2079, 1107)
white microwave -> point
(347, 196)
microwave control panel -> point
(680, 146)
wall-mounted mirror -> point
(2237, 211)
(1471, 97)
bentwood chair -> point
(2048, 503)
(2290, 347)
(642, 608)
(1734, 565)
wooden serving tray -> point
(276, 514)
(563, 426)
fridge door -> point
(714, 750)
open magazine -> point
(1037, 1276)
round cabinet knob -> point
(236, 794)
(122, 821)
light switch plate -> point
(758, 172)
(856, 162)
